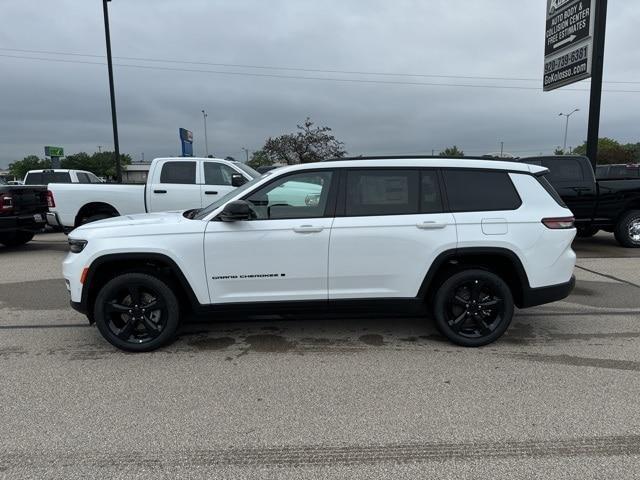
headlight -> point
(76, 246)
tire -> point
(587, 232)
(627, 231)
(16, 239)
(464, 322)
(133, 326)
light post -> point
(206, 141)
(114, 119)
(246, 152)
(566, 127)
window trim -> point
(506, 172)
(330, 207)
(341, 207)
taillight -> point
(51, 203)
(6, 202)
(559, 223)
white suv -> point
(461, 239)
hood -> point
(139, 220)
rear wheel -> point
(137, 312)
(16, 239)
(627, 230)
(473, 307)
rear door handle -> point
(159, 191)
(307, 229)
(210, 192)
(430, 225)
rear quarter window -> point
(480, 190)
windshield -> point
(248, 170)
(225, 198)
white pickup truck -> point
(172, 184)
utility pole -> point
(596, 81)
(501, 148)
(246, 151)
(566, 127)
(99, 148)
(114, 119)
(206, 140)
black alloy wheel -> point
(473, 307)
(137, 312)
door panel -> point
(267, 260)
(282, 254)
(386, 256)
(217, 181)
(175, 187)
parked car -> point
(59, 175)
(15, 182)
(172, 184)
(616, 171)
(612, 205)
(465, 240)
(22, 212)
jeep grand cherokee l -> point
(463, 241)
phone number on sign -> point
(565, 60)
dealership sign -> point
(186, 141)
(53, 152)
(568, 47)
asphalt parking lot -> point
(557, 396)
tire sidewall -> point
(172, 306)
(622, 229)
(440, 305)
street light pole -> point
(246, 151)
(114, 119)
(206, 141)
(566, 127)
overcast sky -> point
(65, 103)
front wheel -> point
(137, 312)
(627, 230)
(473, 307)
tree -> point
(19, 168)
(100, 163)
(609, 151)
(558, 151)
(259, 158)
(453, 152)
(308, 144)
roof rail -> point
(408, 157)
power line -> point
(295, 69)
(296, 77)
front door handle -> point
(307, 229)
(159, 191)
(430, 225)
(210, 192)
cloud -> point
(67, 104)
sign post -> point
(186, 140)
(573, 51)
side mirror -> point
(236, 210)
(237, 180)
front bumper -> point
(539, 296)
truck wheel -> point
(627, 230)
(16, 239)
(586, 232)
(473, 307)
(137, 312)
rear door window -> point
(382, 192)
(480, 190)
(564, 170)
(34, 178)
(178, 172)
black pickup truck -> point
(612, 205)
(23, 211)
